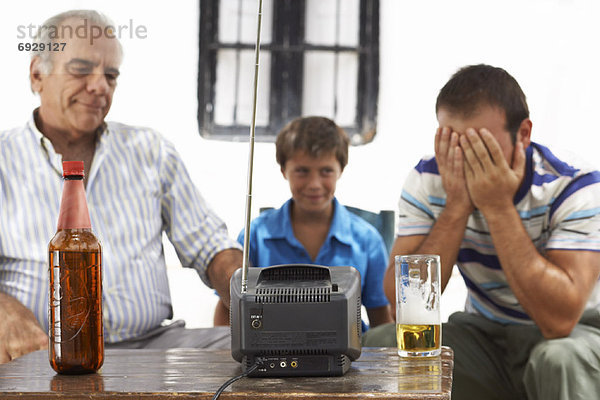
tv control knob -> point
(256, 323)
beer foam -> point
(415, 311)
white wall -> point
(549, 46)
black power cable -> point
(229, 382)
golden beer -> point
(418, 340)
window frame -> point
(287, 55)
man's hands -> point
(20, 333)
(449, 157)
(491, 181)
(475, 172)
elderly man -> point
(137, 187)
(523, 228)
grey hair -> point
(48, 33)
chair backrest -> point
(383, 221)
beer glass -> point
(418, 319)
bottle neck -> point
(74, 212)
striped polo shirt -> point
(137, 188)
(559, 207)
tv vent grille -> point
(306, 352)
(342, 360)
(296, 273)
(293, 295)
(359, 316)
(248, 362)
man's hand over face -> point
(491, 181)
(449, 157)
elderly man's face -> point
(77, 94)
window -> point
(318, 57)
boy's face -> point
(312, 180)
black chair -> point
(383, 221)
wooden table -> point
(197, 373)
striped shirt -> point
(137, 188)
(559, 206)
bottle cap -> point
(71, 168)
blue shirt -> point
(351, 241)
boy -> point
(312, 227)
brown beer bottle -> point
(75, 262)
